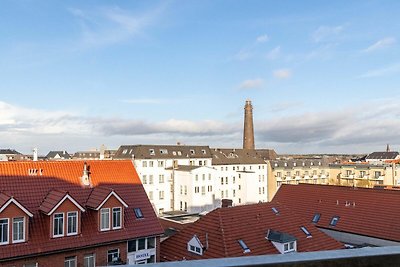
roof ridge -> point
(222, 232)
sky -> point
(323, 76)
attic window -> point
(285, 164)
(125, 151)
(179, 153)
(319, 163)
(151, 151)
(334, 220)
(194, 245)
(312, 163)
(192, 151)
(203, 151)
(163, 151)
(138, 213)
(316, 217)
(244, 246)
(289, 247)
(195, 249)
(304, 229)
(276, 164)
(275, 210)
(174, 153)
(294, 164)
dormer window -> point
(18, 229)
(194, 245)
(105, 219)
(58, 225)
(163, 151)
(152, 152)
(289, 247)
(283, 242)
(203, 151)
(72, 223)
(4, 231)
(116, 218)
(192, 151)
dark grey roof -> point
(87, 155)
(358, 165)
(63, 154)
(294, 163)
(279, 237)
(383, 155)
(186, 168)
(227, 156)
(162, 152)
(8, 151)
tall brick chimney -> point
(248, 131)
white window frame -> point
(76, 223)
(102, 228)
(87, 257)
(108, 252)
(8, 232)
(70, 260)
(14, 230)
(120, 218)
(54, 223)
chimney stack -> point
(248, 131)
(35, 154)
(85, 179)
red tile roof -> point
(31, 190)
(53, 199)
(363, 211)
(250, 223)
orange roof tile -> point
(30, 183)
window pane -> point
(113, 255)
(88, 260)
(58, 224)
(142, 243)
(116, 217)
(105, 219)
(132, 245)
(4, 231)
(18, 229)
(151, 242)
(72, 222)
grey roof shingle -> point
(162, 152)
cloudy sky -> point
(323, 76)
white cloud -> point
(381, 44)
(107, 26)
(243, 55)
(262, 38)
(389, 70)
(250, 84)
(274, 53)
(325, 33)
(282, 73)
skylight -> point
(275, 210)
(152, 152)
(334, 220)
(304, 229)
(138, 213)
(244, 246)
(316, 217)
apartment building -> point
(242, 176)
(73, 213)
(155, 165)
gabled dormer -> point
(64, 213)
(109, 206)
(195, 246)
(14, 220)
(283, 242)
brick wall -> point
(55, 260)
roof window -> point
(174, 153)
(152, 152)
(163, 151)
(179, 153)
(334, 220)
(138, 213)
(203, 151)
(304, 229)
(192, 151)
(125, 151)
(275, 210)
(316, 217)
(244, 246)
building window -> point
(161, 178)
(144, 164)
(161, 195)
(243, 246)
(117, 218)
(196, 189)
(113, 256)
(288, 247)
(209, 188)
(150, 179)
(72, 223)
(58, 224)
(316, 217)
(138, 213)
(377, 174)
(334, 220)
(226, 180)
(105, 219)
(152, 152)
(160, 163)
(185, 190)
(197, 177)
(4, 231)
(70, 262)
(151, 163)
(89, 260)
(233, 179)
(203, 190)
(234, 193)
(278, 174)
(150, 195)
(144, 179)
(18, 230)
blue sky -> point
(323, 76)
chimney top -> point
(85, 179)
